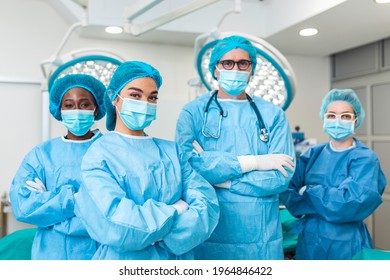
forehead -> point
(144, 83)
(340, 107)
(78, 93)
(236, 54)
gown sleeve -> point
(215, 166)
(294, 202)
(358, 195)
(196, 224)
(110, 217)
(219, 166)
(42, 209)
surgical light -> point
(273, 79)
(100, 67)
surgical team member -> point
(44, 189)
(336, 185)
(243, 146)
(140, 198)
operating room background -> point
(43, 30)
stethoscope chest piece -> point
(264, 135)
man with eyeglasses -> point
(336, 185)
(221, 133)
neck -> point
(122, 128)
(341, 145)
(224, 95)
(87, 136)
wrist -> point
(247, 163)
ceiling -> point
(342, 24)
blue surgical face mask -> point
(339, 130)
(78, 122)
(136, 114)
(233, 82)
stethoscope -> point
(263, 131)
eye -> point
(243, 64)
(330, 116)
(67, 106)
(347, 117)
(153, 98)
(227, 64)
(85, 105)
(135, 95)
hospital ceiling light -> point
(273, 79)
(114, 29)
(308, 32)
(382, 1)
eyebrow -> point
(81, 99)
(333, 112)
(136, 89)
(141, 91)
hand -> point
(302, 190)
(224, 185)
(275, 162)
(197, 148)
(75, 195)
(36, 186)
(266, 162)
(180, 206)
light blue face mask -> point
(136, 114)
(339, 130)
(78, 122)
(233, 82)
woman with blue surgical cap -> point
(336, 185)
(221, 135)
(140, 198)
(45, 187)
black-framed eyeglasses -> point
(242, 64)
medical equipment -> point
(206, 133)
(298, 136)
(99, 66)
(5, 207)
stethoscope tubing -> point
(263, 129)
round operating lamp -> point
(99, 66)
(273, 79)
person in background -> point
(140, 198)
(242, 145)
(45, 187)
(336, 185)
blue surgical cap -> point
(87, 82)
(227, 44)
(124, 74)
(346, 95)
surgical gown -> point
(342, 189)
(129, 185)
(60, 234)
(249, 226)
